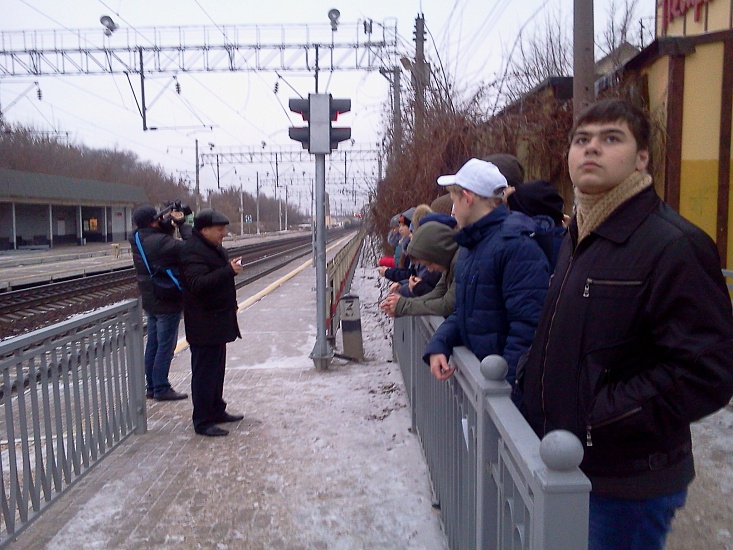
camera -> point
(173, 206)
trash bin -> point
(351, 327)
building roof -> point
(28, 186)
(617, 58)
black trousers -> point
(207, 384)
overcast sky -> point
(241, 109)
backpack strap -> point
(142, 252)
(168, 271)
(175, 280)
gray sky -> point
(466, 37)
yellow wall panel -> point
(701, 118)
(658, 79)
(719, 15)
(699, 194)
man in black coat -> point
(634, 342)
(210, 317)
(162, 250)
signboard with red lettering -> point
(676, 8)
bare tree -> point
(619, 34)
(534, 58)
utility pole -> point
(277, 183)
(583, 59)
(393, 77)
(198, 193)
(257, 202)
(396, 110)
(419, 72)
(218, 180)
(241, 210)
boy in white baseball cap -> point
(501, 275)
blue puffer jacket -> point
(501, 280)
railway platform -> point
(321, 459)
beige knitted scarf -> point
(593, 209)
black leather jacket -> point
(634, 343)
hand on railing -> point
(389, 304)
(440, 368)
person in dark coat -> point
(433, 245)
(539, 198)
(210, 317)
(162, 250)
(635, 338)
(501, 275)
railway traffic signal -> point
(319, 110)
(336, 107)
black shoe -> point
(226, 417)
(149, 395)
(213, 431)
(170, 395)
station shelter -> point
(40, 210)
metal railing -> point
(497, 485)
(339, 274)
(70, 394)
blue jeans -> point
(622, 524)
(162, 337)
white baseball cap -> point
(479, 176)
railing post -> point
(136, 368)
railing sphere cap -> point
(494, 367)
(561, 450)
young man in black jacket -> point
(634, 342)
(210, 316)
(162, 250)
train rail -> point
(39, 306)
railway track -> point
(39, 306)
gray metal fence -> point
(339, 274)
(70, 394)
(498, 486)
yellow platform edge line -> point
(182, 344)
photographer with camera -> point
(156, 255)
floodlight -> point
(109, 25)
(333, 15)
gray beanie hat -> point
(433, 242)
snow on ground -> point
(322, 460)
